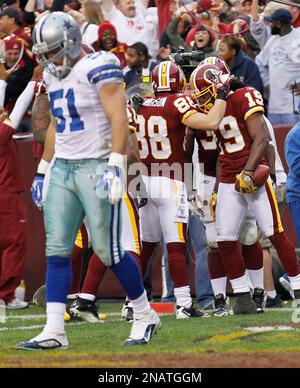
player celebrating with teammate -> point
(243, 137)
(161, 124)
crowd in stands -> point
(143, 32)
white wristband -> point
(43, 167)
(116, 160)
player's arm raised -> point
(211, 120)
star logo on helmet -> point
(67, 25)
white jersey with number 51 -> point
(83, 130)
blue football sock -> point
(58, 278)
(129, 276)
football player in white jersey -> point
(88, 106)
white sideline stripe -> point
(21, 328)
(115, 314)
(40, 326)
(39, 316)
(25, 316)
(261, 329)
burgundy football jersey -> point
(233, 136)
(160, 132)
(11, 180)
(207, 151)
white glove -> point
(113, 178)
(195, 204)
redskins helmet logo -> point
(210, 75)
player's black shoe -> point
(274, 303)
(189, 312)
(258, 298)
(85, 310)
(244, 304)
(221, 307)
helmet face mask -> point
(57, 40)
(55, 62)
(206, 98)
(204, 91)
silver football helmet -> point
(58, 34)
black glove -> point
(141, 197)
(135, 101)
(273, 179)
(223, 92)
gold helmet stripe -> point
(164, 75)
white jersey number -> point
(257, 100)
(230, 131)
(209, 143)
(76, 124)
(156, 127)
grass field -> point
(265, 340)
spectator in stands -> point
(107, 40)
(244, 7)
(292, 152)
(91, 10)
(17, 71)
(203, 37)
(139, 65)
(165, 9)
(34, 8)
(89, 31)
(11, 24)
(240, 27)
(279, 65)
(179, 29)
(259, 27)
(241, 66)
(208, 13)
(129, 18)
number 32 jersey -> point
(83, 130)
(160, 132)
(233, 136)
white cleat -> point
(143, 329)
(45, 341)
(17, 304)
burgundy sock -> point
(177, 264)
(253, 256)
(95, 273)
(215, 264)
(232, 258)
